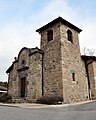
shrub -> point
(52, 99)
(5, 97)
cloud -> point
(18, 33)
(19, 29)
(54, 9)
(87, 36)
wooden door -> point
(23, 87)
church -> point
(57, 68)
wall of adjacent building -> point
(92, 78)
(94, 66)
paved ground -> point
(80, 111)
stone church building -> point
(57, 68)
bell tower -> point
(62, 63)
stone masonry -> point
(72, 63)
(52, 67)
(61, 59)
(90, 62)
(27, 66)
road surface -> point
(77, 112)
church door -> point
(23, 87)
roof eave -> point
(84, 57)
(9, 69)
(59, 19)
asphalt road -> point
(78, 112)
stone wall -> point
(52, 72)
(92, 78)
(23, 67)
(94, 67)
(29, 67)
(13, 81)
(72, 64)
(61, 59)
(35, 77)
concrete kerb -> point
(29, 105)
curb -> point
(29, 105)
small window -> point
(69, 35)
(73, 76)
(23, 62)
(50, 35)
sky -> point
(19, 20)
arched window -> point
(50, 35)
(69, 35)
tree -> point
(89, 52)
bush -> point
(52, 99)
(5, 97)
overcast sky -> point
(19, 20)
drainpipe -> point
(42, 77)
